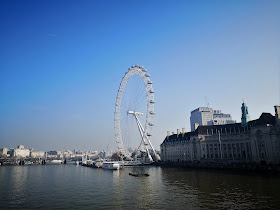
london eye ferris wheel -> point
(134, 114)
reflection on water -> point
(223, 190)
(18, 185)
(70, 186)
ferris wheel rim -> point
(149, 121)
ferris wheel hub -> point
(135, 113)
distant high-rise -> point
(201, 116)
(220, 118)
(208, 116)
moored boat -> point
(111, 165)
(55, 162)
(138, 174)
(98, 163)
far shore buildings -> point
(254, 141)
(71, 154)
(54, 154)
(4, 151)
(20, 151)
(37, 154)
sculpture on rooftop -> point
(245, 118)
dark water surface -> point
(76, 187)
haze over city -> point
(61, 65)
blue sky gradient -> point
(61, 63)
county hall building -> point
(249, 141)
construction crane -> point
(207, 104)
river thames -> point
(76, 187)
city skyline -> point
(62, 63)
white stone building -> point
(257, 142)
(20, 151)
(67, 153)
(37, 154)
(4, 151)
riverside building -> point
(254, 141)
(37, 154)
(20, 151)
(4, 151)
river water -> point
(77, 187)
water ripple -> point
(72, 187)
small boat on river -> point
(138, 174)
(98, 163)
(55, 162)
(111, 165)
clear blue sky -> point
(61, 63)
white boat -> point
(98, 163)
(111, 165)
(89, 163)
(132, 163)
(56, 162)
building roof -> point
(202, 109)
(264, 119)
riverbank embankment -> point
(248, 167)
